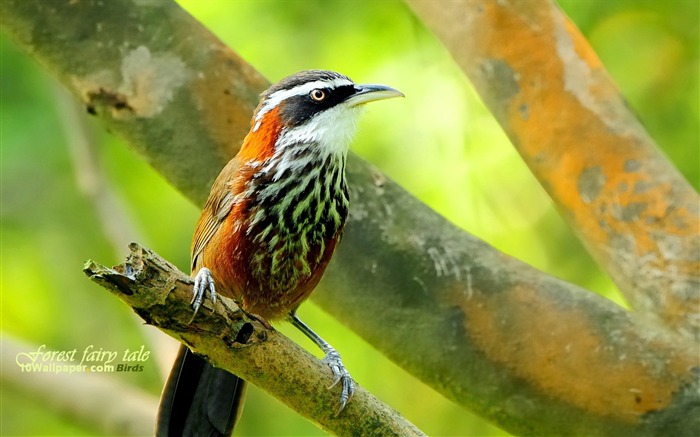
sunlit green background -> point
(440, 143)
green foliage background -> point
(440, 143)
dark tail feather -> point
(199, 399)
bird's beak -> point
(371, 93)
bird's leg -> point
(333, 360)
(203, 281)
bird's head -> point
(316, 108)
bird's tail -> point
(199, 399)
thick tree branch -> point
(544, 83)
(160, 294)
(531, 353)
(534, 354)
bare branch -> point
(160, 294)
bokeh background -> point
(70, 191)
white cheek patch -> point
(278, 97)
(331, 130)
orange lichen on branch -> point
(617, 374)
(550, 92)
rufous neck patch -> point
(259, 144)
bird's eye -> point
(317, 95)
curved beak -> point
(371, 93)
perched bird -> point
(273, 219)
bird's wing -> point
(217, 208)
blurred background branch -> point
(116, 223)
(435, 159)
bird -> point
(273, 219)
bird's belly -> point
(280, 280)
(272, 276)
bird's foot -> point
(203, 281)
(341, 375)
(332, 359)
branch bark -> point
(160, 294)
(531, 353)
(549, 91)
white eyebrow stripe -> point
(277, 97)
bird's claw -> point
(340, 375)
(203, 281)
(332, 359)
